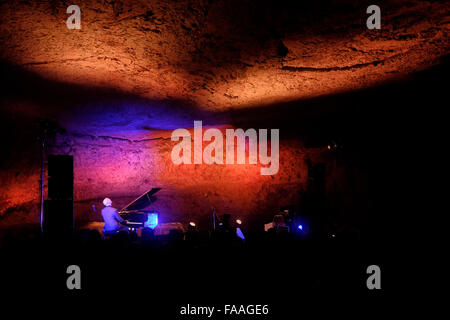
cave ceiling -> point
(160, 64)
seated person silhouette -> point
(225, 225)
(112, 218)
(279, 223)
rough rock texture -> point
(189, 191)
(122, 169)
(138, 69)
(222, 54)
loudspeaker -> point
(60, 177)
(60, 188)
(58, 216)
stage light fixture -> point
(300, 227)
(238, 221)
(152, 221)
(192, 224)
(240, 234)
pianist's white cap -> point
(107, 202)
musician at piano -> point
(113, 221)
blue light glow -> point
(300, 227)
(240, 234)
(152, 221)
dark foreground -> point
(161, 275)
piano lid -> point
(143, 201)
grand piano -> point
(135, 212)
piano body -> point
(135, 212)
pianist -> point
(112, 218)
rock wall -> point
(123, 169)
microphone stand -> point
(41, 181)
(214, 219)
(213, 212)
